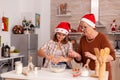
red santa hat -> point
(63, 27)
(89, 19)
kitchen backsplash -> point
(108, 12)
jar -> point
(18, 67)
(85, 72)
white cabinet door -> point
(116, 69)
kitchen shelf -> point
(64, 15)
(114, 33)
(75, 33)
(99, 25)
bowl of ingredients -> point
(57, 68)
(14, 52)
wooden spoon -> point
(87, 64)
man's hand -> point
(91, 56)
(73, 54)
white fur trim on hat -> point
(88, 22)
(61, 30)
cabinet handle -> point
(119, 62)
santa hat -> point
(63, 27)
(89, 19)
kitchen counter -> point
(2, 59)
(45, 74)
(117, 53)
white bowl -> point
(57, 68)
(14, 54)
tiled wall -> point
(77, 7)
(109, 10)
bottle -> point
(7, 51)
(18, 67)
(31, 66)
(2, 50)
(24, 22)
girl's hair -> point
(64, 41)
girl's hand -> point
(62, 59)
(49, 57)
(55, 60)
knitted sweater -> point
(99, 42)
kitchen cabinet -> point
(116, 68)
(115, 39)
(7, 64)
(114, 33)
(75, 36)
(9, 61)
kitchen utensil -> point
(85, 72)
(87, 64)
(85, 69)
(97, 53)
(102, 56)
(102, 61)
(18, 67)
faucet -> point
(117, 44)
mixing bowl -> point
(57, 68)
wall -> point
(44, 31)
(9, 9)
(109, 10)
(16, 10)
(78, 8)
(43, 8)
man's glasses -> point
(82, 28)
